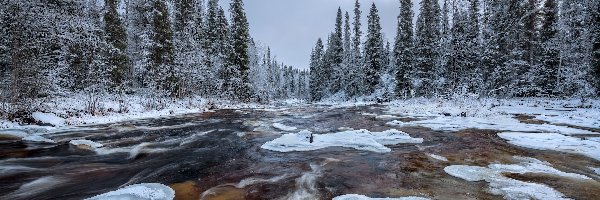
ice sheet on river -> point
(554, 141)
(144, 191)
(511, 188)
(492, 123)
(357, 139)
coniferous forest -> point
(154, 49)
(503, 49)
(175, 49)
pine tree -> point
(162, 72)
(373, 55)
(426, 46)
(403, 49)
(356, 69)
(117, 38)
(239, 57)
(188, 47)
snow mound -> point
(553, 141)
(144, 191)
(284, 127)
(511, 188)
(37, 138)
(86, 143)
(363, 197)
(48, 118)
(357, 139)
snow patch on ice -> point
(144, 191)
(357, 139)
(363, 197)
(511, 188)
(494, 123)
(49, 118)
(553, 141)
(284, 127)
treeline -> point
(155, 48)
(517, 48)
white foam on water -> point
(363, 197)
(438, 157)
(143, 191)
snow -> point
(49, 118)
(91, 144)
(555, 142)
(363, 197)
(491, 123)
(357, 139)
(144, 191)
(464, 113)
(37, 138)
(438, 157)
(511, 188)
(284, 127)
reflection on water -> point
(218, 156)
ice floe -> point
(144, 191)
(494, 123)
(438, 157)
(553, 141)
(363, 197)
(357, 139)
(284, 127)
(510, 188)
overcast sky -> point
(292, 27)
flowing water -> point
(217, 155)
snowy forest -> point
(505, 49)
(165, 51)
(155, 49)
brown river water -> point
(217, 155)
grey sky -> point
(291, 27)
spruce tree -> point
(550, 54)
(335, 55)
(316, 72)
(161, 55)
(427, 36)
(117, 38)
(355, 71)
(403, 49)
(595, 17)
(238, 59)
(374, 49)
